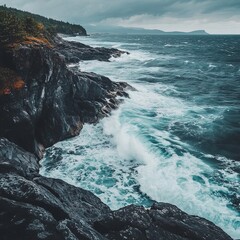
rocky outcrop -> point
(55, 101)
(76, 51)
(36, 207)
(162, 221)
(54, 104)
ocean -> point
(176, 139)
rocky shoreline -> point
(53, 105)
(56, 101)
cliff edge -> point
(52, 100)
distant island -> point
(131, 30)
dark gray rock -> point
(162, 221)
(56, 100)
(36, 207)
(15, 160)
(75, 51)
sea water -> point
(176, 139)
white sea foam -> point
(126, 65)
(174, 45)
(212, 66)
(94, 43)
(178, 179)
(168, 45)
(135, 148)
(181, 180)
(90, 41)
(127, 155)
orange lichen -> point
(37, 41)
(34, 41)
(9, 81)
(18, 84)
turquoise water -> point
(175, 140)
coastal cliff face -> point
(53, 105)
(55, 101)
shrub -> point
(31, 26)
(11, 28)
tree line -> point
(51, 25)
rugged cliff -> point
(56, 100)
(52, 103)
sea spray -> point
(173, 140)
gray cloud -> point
(201, 12)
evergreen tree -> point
(31, 26)
(11, 28)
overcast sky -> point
(214, 16)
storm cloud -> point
(215, 16)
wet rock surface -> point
(56, 100)
(36, 207)
(54, 104)
(162, 221)
(76, 51)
